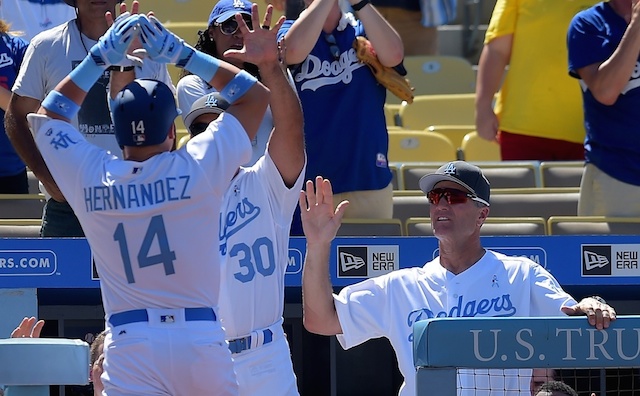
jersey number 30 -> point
(155, 230)
(264, 267)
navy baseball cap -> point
(210, 103)
(226, 9)
(463, 173)
(143, 113)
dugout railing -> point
(442, 346)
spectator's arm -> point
(495, 56)
(15, 122)
(384, 38)
(304, 33)
(607, 80)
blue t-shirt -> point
(612, 142)
(12, 51)
(345, 130)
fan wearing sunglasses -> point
(348, 144)
(465, 280)
(223, 34)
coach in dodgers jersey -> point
(466, 280)
(159, 284)
(254, 230)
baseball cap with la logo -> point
(226, 9)
(463, 173)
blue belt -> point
(141, 315)
(242, 344)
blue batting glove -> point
(112, 46)
(162, 45)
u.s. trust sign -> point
(557, 342)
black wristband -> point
(121, 68)
(599, 299)
(360, 5)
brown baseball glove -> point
(387, 76)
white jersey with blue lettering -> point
(497, 285)
(148, 222)
(254, 245)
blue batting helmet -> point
(143, 113)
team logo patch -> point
(366, 261)
(450, 169)
(596, 260)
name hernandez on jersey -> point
(101, 198)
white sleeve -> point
(189, 89)
(220, 150)
(29, 82)
(64, 150)
(156, 71)
(547, 296)
(284, 199)
(363, 311)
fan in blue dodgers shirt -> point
(342, 102)
(159, 284)
(603, 48)
(466, 280)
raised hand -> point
(112, 47)
(29, 328)
(260, 44)
(162, 45)
(136, 54)
(320, 221)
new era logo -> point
(596, 260)
(352, 261)
(349, 262)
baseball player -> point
(466, 280)
(151, 218)
(255, 217)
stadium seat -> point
(370, 227)
(417, 146)
(593, 225)
(438, 75)
(446, 109)
(475, 148)
(455, 133)
(408, 204)
(505, 174)
(534, 202)
(421, 226)
(20, 228)
(392, 114)
(395, 171)
(21, 206)
(34, 183)
(561, 173)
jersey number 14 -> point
(156, 230)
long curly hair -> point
(208, 46)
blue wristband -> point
(87, 73)
(56, 102)
(238, 86)
(203, 65)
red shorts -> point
(524, 148)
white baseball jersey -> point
(191, 88)
(389, 305)
(254, 245)
(151, 225)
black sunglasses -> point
(333, 46)
(197, 128)
(230, 26)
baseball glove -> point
(387, 76)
